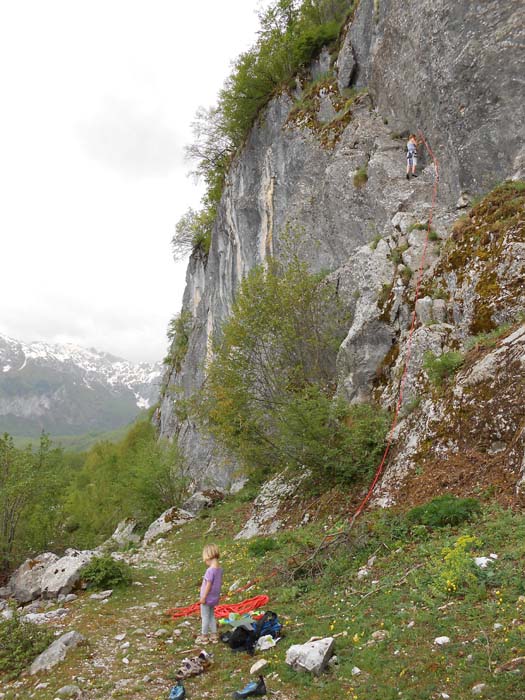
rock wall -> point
(453, 69)
(421, 64)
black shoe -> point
(414, 175)
(408, 176)
(253, 688)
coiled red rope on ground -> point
(222, 610)
(380, 468)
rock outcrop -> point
(56, 653)
(26, 583)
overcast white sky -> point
(97, 101)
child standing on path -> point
(412, 145)
(210, 594)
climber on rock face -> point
(412, 145)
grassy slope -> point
(400, 596)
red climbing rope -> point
(223, 610)
(379, 470)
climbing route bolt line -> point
(390, 438)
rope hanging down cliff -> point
(380, 468)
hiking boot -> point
(408, 176)
(178, 692)
(251, 689)
(414, 175)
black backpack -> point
(240, 639)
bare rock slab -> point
(166, 522)
(26, 583)
(64, 574)
(312, 656)
(56, 653)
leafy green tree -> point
(17, 489)
(269, 392)
(139, 477)
(31, 484)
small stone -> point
(161, 632)
(411, 624)
(356, 671)
(463, 201)
(334, 661)
(380, 635)
(511, 665)
(41, 686)
(125, 660)
(177, 633)
(102, 595)
(120, 637)
(478, 689)
(497, 626)
(482, 562)
(152, 605)
(235, 585)
(125, 645)
(445, 696)
(441, 641)
(69, 691)
(258, 665)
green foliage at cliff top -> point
(291, 34)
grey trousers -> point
(209, 623)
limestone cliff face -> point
(424, 64)
(454, 70)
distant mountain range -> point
(70, 390)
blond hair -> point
(210, 551)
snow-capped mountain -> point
(70, 390)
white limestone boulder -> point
(55, 653)
(26, 583)
(312, 656)
(62, 576)
(125, 533)
(166, 522)
(201, 500)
